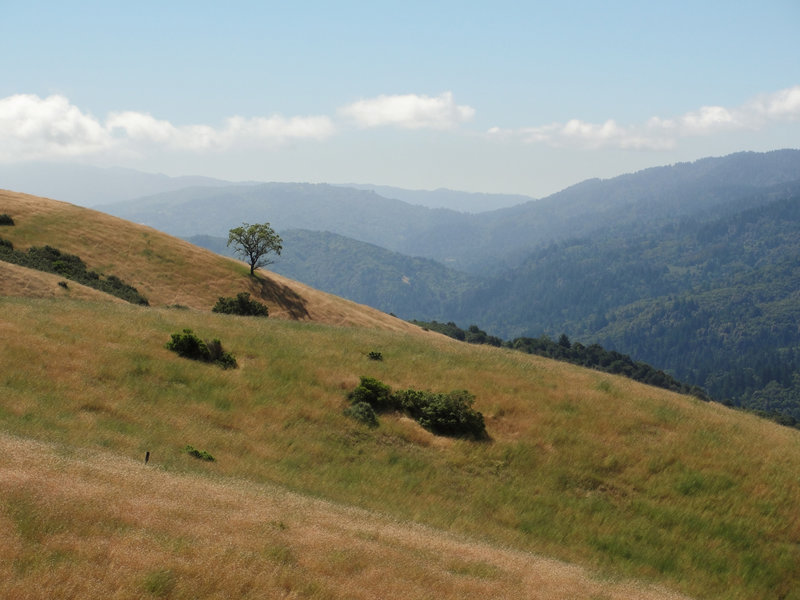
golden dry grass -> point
(593, 469)
(90, 524)
(170, 271)
(590, 468)
(27, 283)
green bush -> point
(448, 414)
(452, 414)
(201, 454)
(412, 402)
(188, 345)
(217, 355)
(6, 219)
(241, 305)
(378, 395)
(52, 260)
(363, 413)
(375, 356)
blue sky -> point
(480, 96)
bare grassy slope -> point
(96, 525)
(167, 270)
(593, 469)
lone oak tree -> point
(254, 243)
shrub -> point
(363, 413)
(6, 219)
(201, 454)
(452, 414)
(241, 305)
(412, 402)
(217, 355)
(375, 356)
(443, 414)
(52, 260)
(378, 395)
(188, 345)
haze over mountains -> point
(690, 267)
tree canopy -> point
(254, 243)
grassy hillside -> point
(168, 271)
(632, 482)
(97, 525)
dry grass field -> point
(88, 524)
(630, 491)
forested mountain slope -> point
(478, 243)
(715, 302)
(360, 214)
(365, 273)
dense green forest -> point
(715, 303)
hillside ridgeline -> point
(167, 271)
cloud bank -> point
(409, 111)
(33, 128)
(36, 128)
(659, 133)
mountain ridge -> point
(471, 243)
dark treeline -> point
(69, 266)
(592, 356)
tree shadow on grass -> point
(280, 295)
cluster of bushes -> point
(448, 414)
(6, 219)
(241, 305)
(199, 454)
(188, 345)
(52, 260)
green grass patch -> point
(609, 483)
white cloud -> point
(660, 133)
(33, 128)
(280, 128)
(782, 105)
(409, 111)
(140, 127)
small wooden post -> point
(146, 456)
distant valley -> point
(692, 268)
